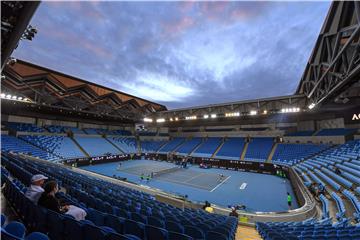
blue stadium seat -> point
(134, 228)
(115, 222)
(178, 236)
(154, 221)
(194, 232)
(208, 147)
(259, 149)
(231, 149)
(37, 236)
(155, 233)
(72, 229)
(210, 235)
(55, 225)
(14, 229)
(3, 219)
(91, 232)
(174, 227)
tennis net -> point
(161, 172)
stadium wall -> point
(316, 139)
(330, 123)
(18, 119)
(274, 133)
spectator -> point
(209, 209)
(337, 171)
(289, 200)
(207, 204)
(35, 190)
(78, 213)
(234, 213)
(48, 199)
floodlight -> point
(148, 120)
(206, 116)
(311, 106)
(213, 115)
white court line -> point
(220, 184)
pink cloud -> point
(76, 41)
(178, 27)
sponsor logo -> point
(356, 117)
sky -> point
(179, 54)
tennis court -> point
(259, 192)
(175, 174)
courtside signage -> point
(356, 117)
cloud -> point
(180, 54)
(159, 87)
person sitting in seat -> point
(78, 213)
(234, 213)
(48, 199)
(35, 190)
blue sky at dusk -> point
(179, 54)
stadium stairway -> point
(80, 147)
(247, 233)
(218, 148)
(273, 149)
(178, 146)
(115, 146)
(138, 145)
(316, 132)
(242, 156)
(196, 147)
(162, 145)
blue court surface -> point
(258, 192)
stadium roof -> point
(49, 87)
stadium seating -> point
(325, 206)
(120, 132)
(355, 202)
(231, 149)
(306, 230)
(171, 145)
(10, 143)
(322, 168)
(151, 146)
(208, 147)
(259, 149)
(340, 205)
(126, 144)
(74, 130)
(55, 129)
(92, 131)
(60, 145)
(336, 132)
(294, 153)
(188, 146)
(109, 207)
(16, 231)
(96, 146)
(24, 127)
